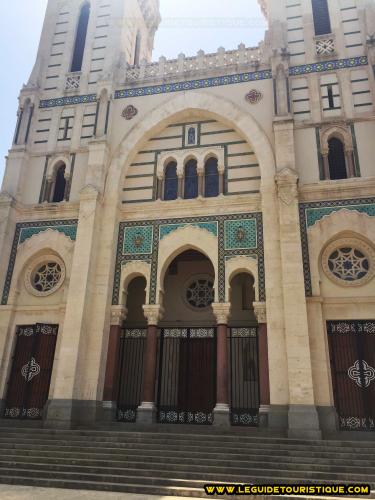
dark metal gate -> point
(30, 377)
(244, 379)
(187, 376)
(352, 355)
(132, 345)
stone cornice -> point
(338, 190)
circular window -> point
(200, 292)
(348, 262)
(45, 275)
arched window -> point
(79, 46)
(191, 180)
(171, 181)
(211, 178)
(191, 136)
(336, 159)
(137, 51)
(60, 185)
(322, 22)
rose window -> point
(47, 277)
(200, 293)
(348, 264)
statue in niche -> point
(191, 136)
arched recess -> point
(48, 242)
(179, 107)
(239, 265)
(179, 241)
(340, 224)
(132, 270)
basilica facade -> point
(192, 241)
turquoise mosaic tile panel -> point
(166, 229)
(28, 232)
(138, 240)
(240, 234)
(313, 215)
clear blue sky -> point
(187, 26)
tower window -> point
(137, 51)
(336, 159)
(79, 46)
(331, 101)
(322, 22)
(60, 185)
(211, 178)
(171, 181)
(191, 180)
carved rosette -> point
(260, 312)
(153, 313)
(287, 182)
(129, 112)
(221, 312)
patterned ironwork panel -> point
(352, 355)
(138, 240)
(187, 376)
(240, 234)
(30, 377)
(132, 345)
(244, 376)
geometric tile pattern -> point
(318, 67)
(25, 230)
(138, 240)
(28, 232)
(310, 213)
(155, 229)
(240, 234)
(166, 229)
(66, 101)
(216, 81)
(313, 215)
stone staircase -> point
(169, 462)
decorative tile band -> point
(203, 83)
(167, 229)
(25, 230)
(28, 232)
(312, 212)
(216, 81)
(246, 228)
(313, 215)
(318, 67)
(67, 101)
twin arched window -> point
(80, 42)
(193, 184)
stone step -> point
(182, 452)
(176, 437)
(213, 474)
(191, 447)
(221, 466)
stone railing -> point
(172, 68)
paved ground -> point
(30, 493)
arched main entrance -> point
(187, 354)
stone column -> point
(302, 416)
(159, 188)
(67, 402)
(327, 175)
(146, 413)
(264, 376)
(67, 185)
(118, 316)
(180, 188)
(349, 162)
(221, 411)
(201, 179)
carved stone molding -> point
(118, 315)
(260, 312)
(287, 182)
(153, 313)
(221, 312)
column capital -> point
(260, 312)
(287, 182)
(153, 313)
(118, 315)
(221, 311)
